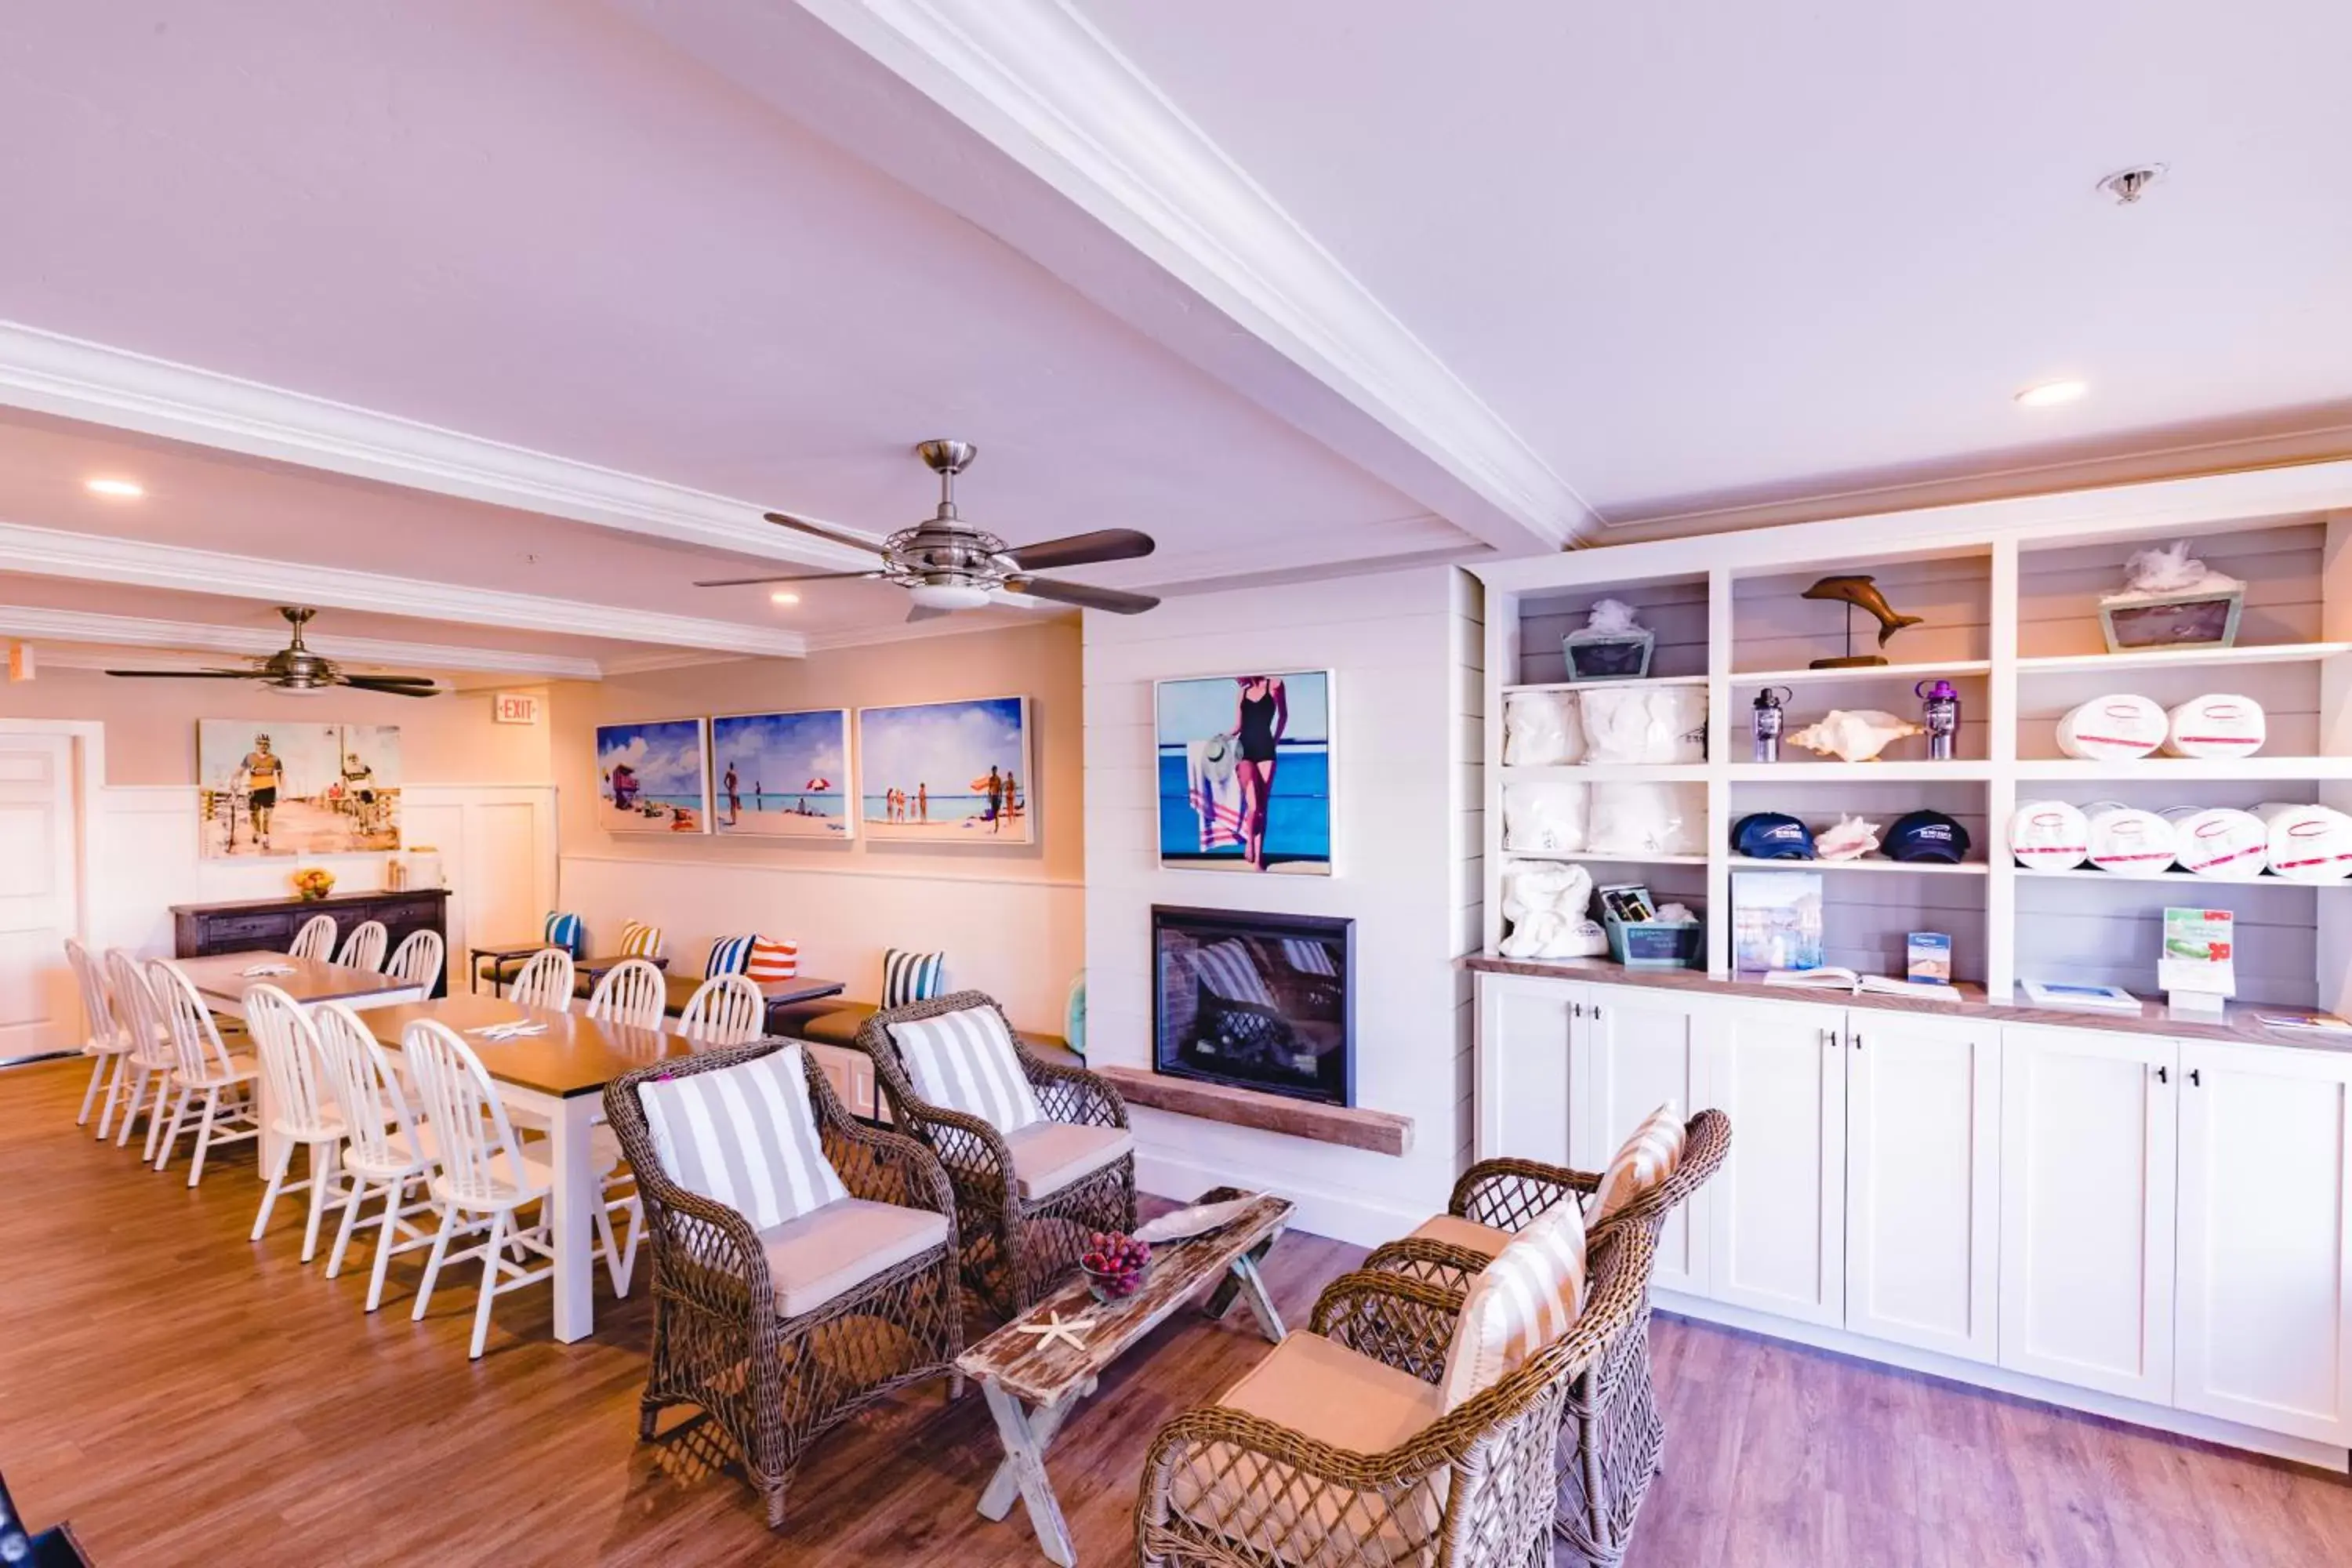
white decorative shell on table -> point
(1200, 1219)
(1853, 735)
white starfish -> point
(1070, 1332)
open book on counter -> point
(1829, 977)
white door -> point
(40, 858)
(1637, 1050)
(2264, 1298)
(1778, 1208)
(1523, 1040)
(2087, 1166)
(1923, 1182)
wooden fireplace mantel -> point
(1377, 1130)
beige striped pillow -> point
(744, 1136)
(1525, 1298)
(964, 1061)
(1645, 1160)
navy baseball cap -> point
(1926, 836)
(1772, 835)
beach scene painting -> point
(781, 775)
(947, 771)
(1245, 773)
(270, 788)
(653, 777)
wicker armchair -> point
(1611, 1437)
(774, 1383)
(1014, 1248)
(1472, 1488)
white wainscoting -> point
(497, 844)
(1022, 940)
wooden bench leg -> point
(1025, 1452)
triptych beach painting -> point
(938, 772)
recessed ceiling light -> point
(128, 488)
(2050, 393)
(783, 596)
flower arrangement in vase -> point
(313, 882)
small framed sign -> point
(515, 708)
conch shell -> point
(1857, 736)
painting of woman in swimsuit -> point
(1245, 773)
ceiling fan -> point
(296, 668)
(946, 564)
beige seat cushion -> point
(817, 1257)
(1332, 1395)
(1469, 1235)
(1049, 1155)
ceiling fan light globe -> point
(948, 595)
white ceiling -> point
(1718, 250)
(1320, 283)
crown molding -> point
(1040, 85)
(137, 631)
(53, 552)
(76, 379)
(951, 626)
(653, 663)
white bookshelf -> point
(2009, 590)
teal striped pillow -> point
(912, 977)
(565, 931)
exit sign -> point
(515, 708)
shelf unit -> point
(2009, 591)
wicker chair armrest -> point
(1507, 1193)
(1072, 1094)
(1398, 1320)
(1438, 1263)
(1192, 1433)
(705, 1250)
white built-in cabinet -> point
(2165, 1220)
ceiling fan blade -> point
(798, 577)
(926, 613)
(1083, 550)
(822, 532)
(188, 674)
(393, 686)
(1083, 595)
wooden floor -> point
(187, 1397)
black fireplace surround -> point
(1256, 1001)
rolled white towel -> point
(2218, 841)
(2128, 841)
(2049, 835)
(2123, 724)
(2308, 843)
(2216, 725)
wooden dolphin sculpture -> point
(1862, 593)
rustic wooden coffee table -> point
(1033, 1376)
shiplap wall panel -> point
(1775, 627)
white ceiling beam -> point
(78, 380)
(138, 631)
(53, 552)
(1036, 81)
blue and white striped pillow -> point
(912, 977)
(565, 931)
(744, 1136)
(728, 954)
(965, 1061)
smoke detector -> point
(2128, 185)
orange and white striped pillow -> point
(1527, 1298)
(770, 958)
(1642, 1162)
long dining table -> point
(556, 1079)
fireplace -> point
(1256, 1001)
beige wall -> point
(1010, 918)
(151, 725)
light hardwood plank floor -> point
(188, 1397)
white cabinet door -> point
(2087, 1166)
(1777, 1210)
(1523, 1045)
(1923, 1181)
(2264, 1327)
(1637, 1049)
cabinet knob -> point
(1576, 1009)
(1596, 1012)
(2195, 1077)
(2162, 1076)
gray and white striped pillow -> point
(744, 1136)
(1227, 969)
(964, 1061)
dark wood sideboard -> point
(249, 925)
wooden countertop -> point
(576, 1055)
(221, 976)
(2238, 1025)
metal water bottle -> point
(1766, 723)
(1940, 711)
